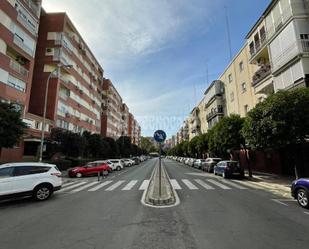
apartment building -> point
(75, 77)
(125, 120)
(112, 124)
(237, 81)
(136, 132)
(19, 25)
(194, 123)
(278, 44)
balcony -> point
(215, 112)
(22, 45)
(258, 45)
(26, 24)
(35, 8)
(297, 48)
(261, 74)
(18, 68)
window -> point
(6, 172)
(304, 36)
(232, 96)
(241, 66)
(244, 87)
(246, 109)
(29, 170)
(62, 124)
(230, 78)
(37, 125)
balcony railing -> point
(26, 24)
(18, 68)
(35, 8)
(215, 112)
(22, 45)
(261, 74)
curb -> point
(150, 198)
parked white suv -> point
(128, 162)
(38, 180)
(118, 164)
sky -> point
(161, 54)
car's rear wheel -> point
(79, 175)
(42, 192)
(302, 198)
(118, 168)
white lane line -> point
(175, 184)
(279, 202)
(72, 186)
(101, 185)
(233, 184)
(115, 185)
(189, 184)
(144, 185)
(83, 187)
(203, 184)
(306, 213)
(130, 185)
(218, 184)
(68, 184)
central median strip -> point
(153, 196)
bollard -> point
(98, 176)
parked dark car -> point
(229, 168)
(300, 191)
(210, 163)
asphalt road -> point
(212, 214)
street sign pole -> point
(160, 137)
(160, 168)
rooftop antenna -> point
(228, 32)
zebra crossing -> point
(128, 185)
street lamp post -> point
(45, 106)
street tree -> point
(281, 120)
(226, 136)
(11, 126)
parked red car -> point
(90, 169)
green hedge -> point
(61, 164)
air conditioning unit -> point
(67, 115)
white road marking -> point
(306, 213)
(189, 184)
(68, 184)
(203, 184)
(115, 185)
(71, 187)
(83, 187)
(248, 184)
(233, 184)
(130, 185)
(175, 184)
(218, 184)
(279, 202)
(101, 185)
(144, 185)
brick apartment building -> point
(74, 94)
(19, 25)
(35, 46)
(111, 118)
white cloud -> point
(125, 29)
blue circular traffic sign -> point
(159, 136)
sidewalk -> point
(278, 185)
